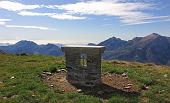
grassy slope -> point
(28, 87)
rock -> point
(48, 78)
(126, 77)
(161, 91)
(129, 84)
(44, 76)
(63, 70)
(145, 87)
(128, 87)
(12, 77)
(58, 78)
(124, 74)
(110, 75)
(100, 92)
(104, 73)
(79, 90)
(47, 73)
(5, 98)
(1, 84)
(58, 71)
(165, 75)
(14, 96)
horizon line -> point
(65, 42)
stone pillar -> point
(83, 75)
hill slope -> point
(21, 81)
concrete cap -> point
(83, 46)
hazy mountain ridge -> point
(4, 44)
(30, 47)
(2, 52)
(91, 44)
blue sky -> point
(82, 21)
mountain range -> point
(30, 47)
(153, 48)
(4, 44)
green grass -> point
(27, 85)
(144, 74)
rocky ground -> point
(111, 83)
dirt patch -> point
(111, 83)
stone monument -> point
(83, 64)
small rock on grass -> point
(47, 73)
(33, 95)
(5, 98)
(165, 75)
(12, 77)
(58, 71)
(79, 90)
(44, 76)
(145, 87)
(161, 91)
(14, 96)
(1, 84)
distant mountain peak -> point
(26, 42)
(153, 35)
(114, 38)
(113, 43)
(91, 44)
(49, 44)
(150, 37)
